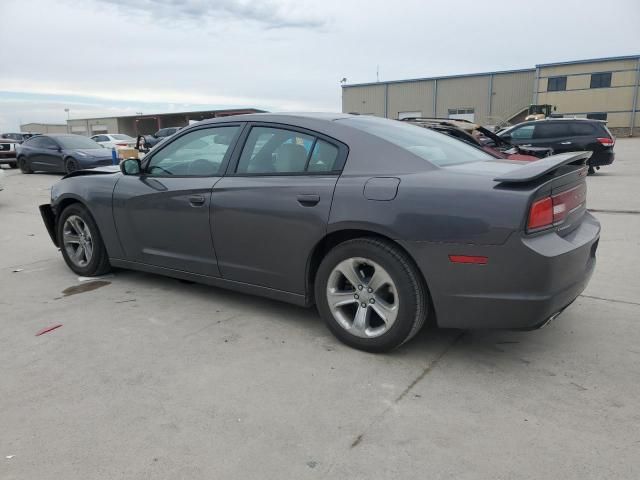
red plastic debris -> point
(48, 329)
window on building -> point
(465, 113)
(556, 84)
(597, 116)
(601, 80)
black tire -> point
(412, 293)
(99, 262)
(13, 165)
(591, 170)
(71, 165)
(23, 163)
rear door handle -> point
(565, 143)
(308, 200)
(197, 200)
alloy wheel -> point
(362, 297)
(77, 240)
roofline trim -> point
(590, 60)
(445, 77)
(148, 115)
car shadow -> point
(504, 349)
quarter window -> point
(583, 128)
(197, 154)
(601, 80)
(274, 150)
(556, 84)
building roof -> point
(589, 60)
(425, 79)
(195, 112)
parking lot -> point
(150, 377)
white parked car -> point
(110, 140)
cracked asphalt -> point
(149, 377)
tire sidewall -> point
(98, 246)
(69, 160)
(23, 163)
(408, 306)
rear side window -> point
(583, 129)
(273, 151)
(439, 149)
(552, 130)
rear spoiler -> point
(533, 170)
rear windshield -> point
(439, 149)
(77, 141)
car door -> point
(272, 207)
(557, 135)
(46, 155)
(520, 135)
(163, 214)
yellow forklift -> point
(538, 112)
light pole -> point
(67, 110)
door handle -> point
(308, 200)
(565, 143)
(196, 200)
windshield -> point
(437, 148)
(77, 141)
(119, 136)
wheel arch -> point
(336, 237)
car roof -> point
(282, 117)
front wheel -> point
(370, 294)
(81, 243)
(71, 165)
(591, 170)
(24, 165)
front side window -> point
(275, 150)
(601, 80)
(437, 148)
(199, 153)
(522, 133)
(77, 141)
(556, 84)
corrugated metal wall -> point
(365, 100)
(512, 91)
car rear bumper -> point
(525, 282)
(7, 157)
(604, 157)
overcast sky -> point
(101, 58)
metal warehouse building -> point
(604, 88)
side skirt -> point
(267, 292)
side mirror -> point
(131, 166)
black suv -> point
(566, 135)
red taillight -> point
(553, 210)
(122, 144)
(478, 260)
(606, 141)
(540, 214)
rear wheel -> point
(370, 294)
(71, 165)
(24, 165)
(591, 170)
(13, 165)
(81, 243)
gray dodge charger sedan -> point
(381, 224)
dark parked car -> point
(144, 143)
(380, 223)
(566, 135)
(64, 153)
(18, 137)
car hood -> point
(93, 152)
(106, 170)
